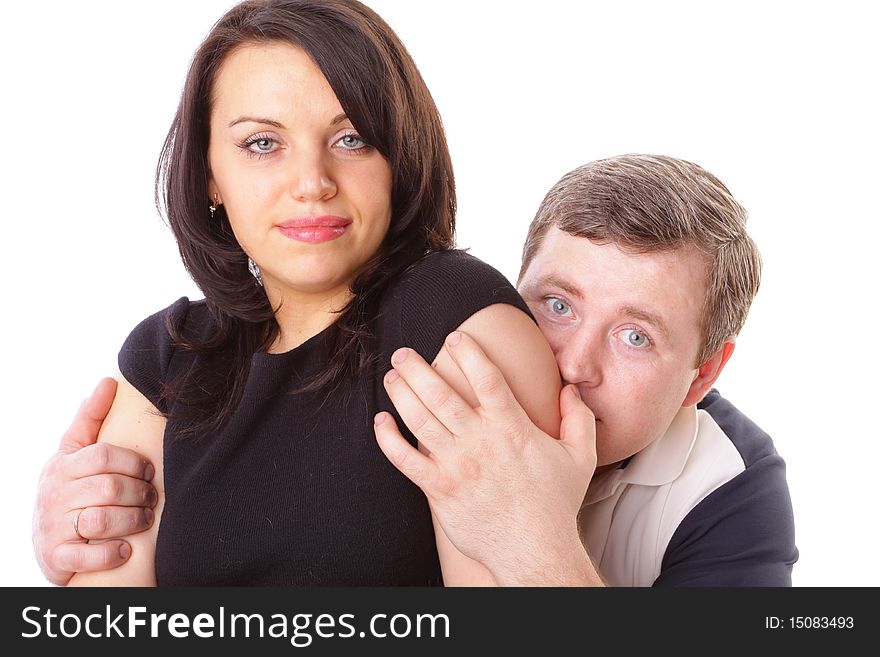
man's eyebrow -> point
(339, 118)
(256, 119)
(553, 280)
(645, 316)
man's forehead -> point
(570, 259)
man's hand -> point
(99, 491)
(506, 493)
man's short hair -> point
(654, 203)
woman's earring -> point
(213, 207)
(254, 269)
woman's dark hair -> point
(383, 94)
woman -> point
(308, 184)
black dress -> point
(293, 490)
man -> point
(640, 274)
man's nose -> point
(580, 358)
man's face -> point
(625, 328)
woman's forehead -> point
(275, 80)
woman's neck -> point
(302, 316)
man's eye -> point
(558, 306)
(635, 338)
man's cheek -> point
(550, 335)
(601, 438)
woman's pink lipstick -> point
(314, 229)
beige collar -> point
(658, 464)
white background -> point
(778, 99)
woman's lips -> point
(314, 229)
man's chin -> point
(605, 461)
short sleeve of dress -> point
(145, 356)
(441, 291)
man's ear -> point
(707, 373)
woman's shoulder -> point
(457, 263)
(184, 316)
(146, 355)
(450, 276)
(437, 293)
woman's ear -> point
(707, 373)
(213, 193)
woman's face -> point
(307, 199)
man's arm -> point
(105, 484)
(504, 490)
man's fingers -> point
(433, 391)
(110, 490)
(104, 458)
(101, 522)
(87, 423)
(485, 379)
(421, 422)
(417, 467)
(83, 557)
(577, 432)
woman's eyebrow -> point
(339, 118)
(256, 119)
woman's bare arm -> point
(135, 423)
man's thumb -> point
(578, 428)
(85, 427)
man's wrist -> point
(560, 562)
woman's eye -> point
(635, 338)
(351, 142)
(558, 307)
(262, 145)
(259, 145)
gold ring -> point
(76, 524)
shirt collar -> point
(658, 464)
